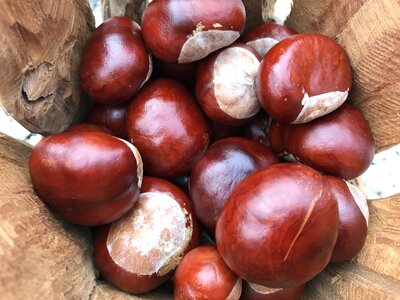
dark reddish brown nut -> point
(112, 117)
(168, 128)
(216, 174)
(221, 131)
(257, 129)
(303, 77)
(141, 250)
(264, 37)
(279, 226)
(339, 144)
(203, 274)
(185, 73)
(353, 219)
(186, 31)
(182, 182)
(252, 291)
(86, 127)
(115, 62)
(225, 85)
(89, 178)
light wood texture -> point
(369, 31)
(132, 9)
(41, 44)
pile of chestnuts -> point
(212, 158)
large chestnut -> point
(265, 36)
(203, 274)
(217, 173)
(89, 178)
(141, 250)
(257, 129)
(353, 219)
(185, 31)
(279, 226)
(115, 61)
(339, 144)
(303, 77)
(168, 128)
(225, 85)
(252, 291)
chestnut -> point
(185, 31)
(252, 291)
(115, 62)
(169, 129)
(112, 117)
(353, 219)
(141, 250)
(185, 73)
(339, 144)
(303, 77)
(203, 274)
(265, 36)
(216, 174)
(279, 226)
(225, 85)
(257, 129)
(89, 178)
(86, 127)
(221, 131)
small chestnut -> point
(257, 129)
(115, 62)
(141, 250)
(184, 73)
(303, 77)
(89, 178)
(216, 174)
(168, 128)
(185, 31)
(225, 85)
(252, 291)
(86, 127)
(221, 131)
(339, 144)
(265, 36)
(279, 226)
(203, 274)
(353, 219)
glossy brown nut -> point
(86, 127)
(203, 274)
(279, 226)
(185, 73)
(353, 219)
(257, 129)
(168, 128)
(115, 62)
(89, 178)
(339, 144)
(221, 131)
(253, 291)
(219, 171)
(303, 77)
(225, 85)
(112, 117)
(185, 31)
(265, 36)
(141, 250)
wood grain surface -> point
(132, 9)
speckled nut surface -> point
(115, 62)
(339, 144)
(217, 173)
(185, 31)
(141, 250)
(265, 36)
(303, 77)
(252, 291)
(225, 85)
(89, 178)
(353, 219)
(203, 274)
(279, 226)
(168, 128)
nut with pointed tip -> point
(141, 250)
(203, 274)
(185, 31)
(253, 291)
(304, 77)
(115, 62)
(89, 178)
(279, 226)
